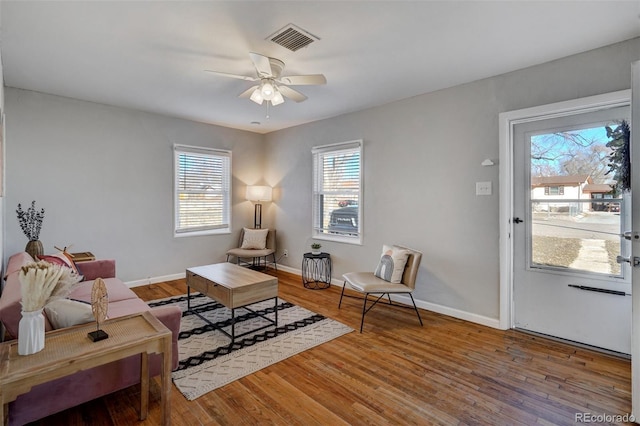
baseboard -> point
(434, 307)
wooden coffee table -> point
(235, 287)
(69, 350)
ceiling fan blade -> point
(240, 77)
(301, 80)
(247, 93)
(294, 95)
(262, 64)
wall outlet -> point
(286, 253)
(483, 188)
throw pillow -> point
(392, 263)
(254, 239)
(55, 259)
(66, 313)
(63, 259)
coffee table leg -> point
(233, 325)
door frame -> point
(507, 121)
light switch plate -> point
(483, 188)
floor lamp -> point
(256, 194)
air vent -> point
(292, 37)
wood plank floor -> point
(448, 372)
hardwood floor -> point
(396, 372)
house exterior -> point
(548, 192)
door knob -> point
(622, 259)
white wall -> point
(105, 178)
(421, 162)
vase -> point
(35, 249)
(315, 252)
(31, 332)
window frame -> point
(317, 230)
(226, 190)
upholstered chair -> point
(368, 283)
(256, 248)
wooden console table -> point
(69, 350)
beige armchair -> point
(368, 283)
(255, 258)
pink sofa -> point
(58, 395)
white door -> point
(635, 185)
(566, 281)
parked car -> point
(344, 220)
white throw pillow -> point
(255, 239)
(64, 313)
(392, 263)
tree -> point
(620, 159)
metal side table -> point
(316, 271)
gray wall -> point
(104, 175)
(105, 178)
(421, 162)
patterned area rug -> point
(208, 360)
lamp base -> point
(257, 217)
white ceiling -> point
(150, 55)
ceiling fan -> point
(273, 86)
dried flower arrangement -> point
(30, 221)
(42, 282)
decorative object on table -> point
(31, 223)
(207, 359)
(315, 248)
(40, 283)
(256, 194)
(99, 305)
(83, 256)
(316, 271)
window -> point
(202, 190)
(554, 190)
(337, 192)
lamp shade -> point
(259, 193)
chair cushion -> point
(392, 263)
(238, 252)
(255, 239)
(367, 282)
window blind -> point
(202, 189)
(337, 190)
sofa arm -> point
(101, 268)
(170, 316)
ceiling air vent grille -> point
(292, 37)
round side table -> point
(316, 271)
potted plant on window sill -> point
(315, 248)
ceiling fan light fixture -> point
(257, 97)
(277, 98)
(267, 91)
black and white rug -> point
(208, 360)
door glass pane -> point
(575, 210)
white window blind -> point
(337, 191)
(202, 190)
